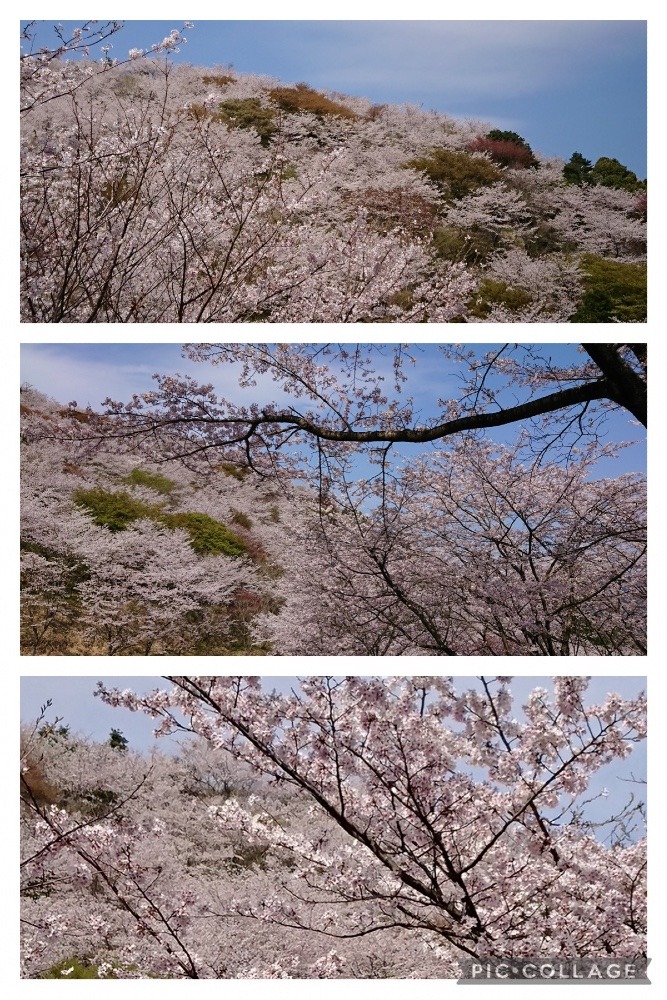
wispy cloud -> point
(467, 58)
(56, 370)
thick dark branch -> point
(627, 388)
(560, 400)
(564, 398)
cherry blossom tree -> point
(142, 586)
(470, 552)
(471, 549)
(151, 208)
(49, 71)
(161, 193)
(600, 220)
(338, 399)
(126, 872)
(460, 823)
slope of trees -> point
(367, 828)
(160, 193)
(121, 559)
(173, 524)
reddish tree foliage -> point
(641, 206)
(507, 154)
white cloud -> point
(58, 373)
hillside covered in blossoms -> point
(183, 523)
(158, 193)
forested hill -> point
(460, 552)
(156, 193)
(120, 556)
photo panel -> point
(334, 500)
(427, 171)
(431, 828)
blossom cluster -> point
(161, 193)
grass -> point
(117, 511)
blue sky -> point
(564, 85)
(90, 372)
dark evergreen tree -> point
(609, 172)
(502, 136)
(117, 740)
(595, 307)
(578, 170)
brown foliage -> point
(375, 112)
(35, 788)
(70, 469)
(503, 152)
(396, 207)
(81, 416)
(218, 79)
(199, 112)
(301, 98)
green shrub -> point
(497, 293)
(80, 969)
(470, 246)
(248, 113)
(243, 521)
(232, 469)
(595, 307)
(286, 172)
(622, 282)
(155, 481)
(115, 511)
(457, 174)
(543, 240)
(207, 536)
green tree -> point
(457, 174)
(577, 170)
(595, 307)
(117, 740)
(609, 172)
(616, 285)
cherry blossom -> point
(371, 827)
(160, 193)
